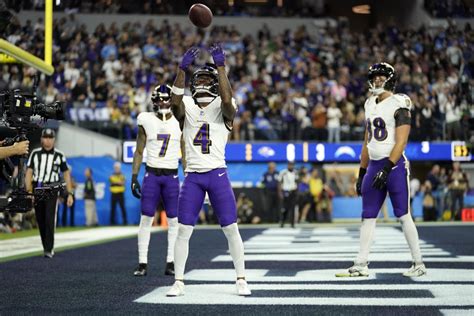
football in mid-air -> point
(200, 15)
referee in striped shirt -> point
(44, 167)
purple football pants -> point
(155, 187)
(397, 188)
(191, 197)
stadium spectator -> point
(286, 81)
(287, 190)
(89, 199)
(71, 208)
(245, 210)
(304, 196)
(334, 116)
(458, 185)
(429, 203)
(271, 197)
(117, 189)
(316, 186)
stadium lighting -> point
(361, 9)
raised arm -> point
(225, 90)
(177, 91)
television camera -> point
(17, 111)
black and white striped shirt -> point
(47, 165)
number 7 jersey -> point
(205, 135)
(163, 140)
(381, 125)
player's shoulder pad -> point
(403, 101)
(188, 100)
(142, 117)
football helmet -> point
(200, 88)
(160, 99)
(382, 69)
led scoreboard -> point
(326, 152)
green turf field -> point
(35, 232)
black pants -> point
(289, 204)
(117, 198)
(46, 217)
(457, 203)
(64, 216)
(272, 206)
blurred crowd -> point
(449, 8)
(443, 192)
(301, 8)
(301, 85)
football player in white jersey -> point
(384, 167)
(160, 133)
(208, 117)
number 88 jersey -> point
(381, 125)
(205, 135)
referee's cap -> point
(48, 133)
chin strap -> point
(163, 112)
(376, 91)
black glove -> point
(136, 189)
(362, 172)
(380, 179)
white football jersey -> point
(380, 123)
(163, 140)
(205, 135)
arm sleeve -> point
(402, 117)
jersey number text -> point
(380, 132)
(202, 138)
(166, 139)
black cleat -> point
(169, 268)
(140, 270)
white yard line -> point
(25, 245)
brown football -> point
(200, 15)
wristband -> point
(177, 91)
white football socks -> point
(236, 248)
(144, 231)
(411, 235)
(367, 230)
(172, 234)
(181, 250)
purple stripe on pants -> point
(191, 197)
(397, 188)
(155, 187)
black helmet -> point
(161, 97)
(386, 70)
(212, 89)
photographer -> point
(20, 148)
(44, 167)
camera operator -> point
(20, 148)
(44, 167)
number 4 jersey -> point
(205, 135)
(381, 125)
(163, 140)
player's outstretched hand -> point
(188, 58)
(362, 172)
(217, 54)
(136, 188)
